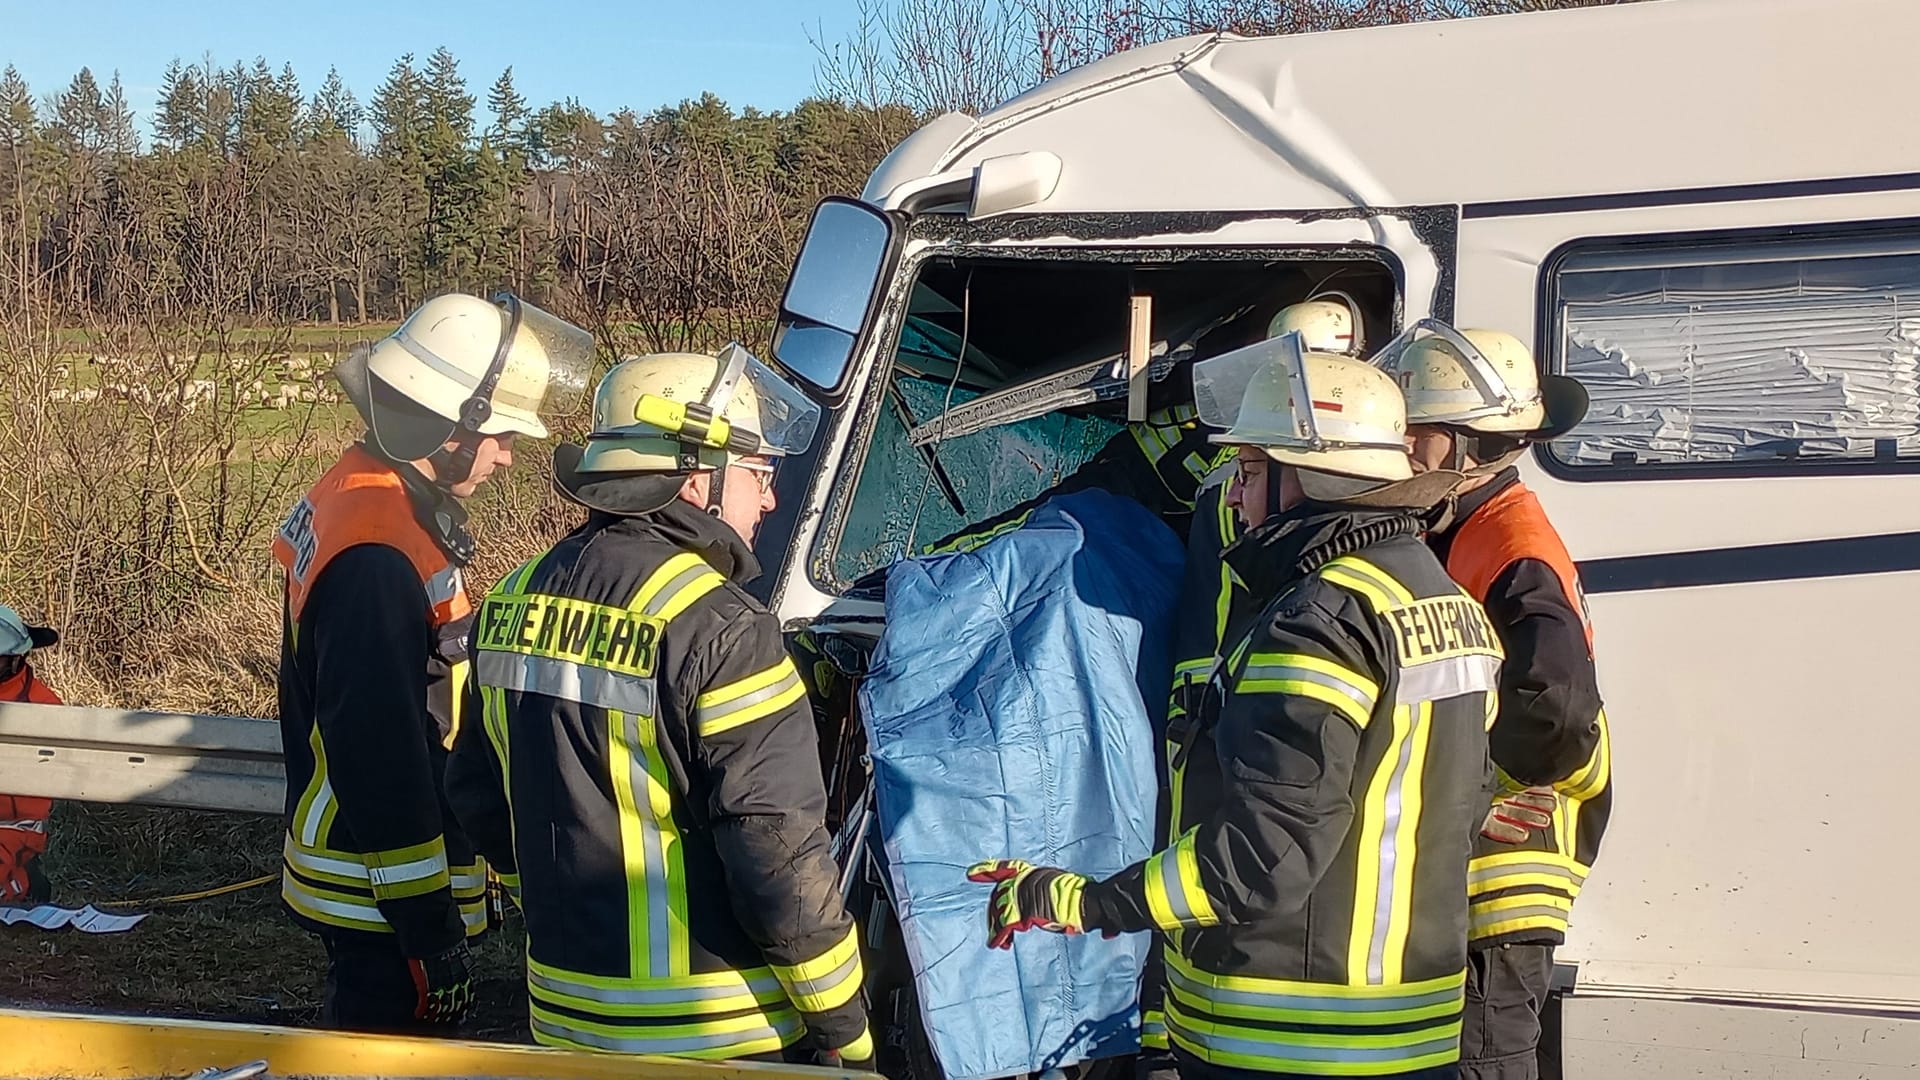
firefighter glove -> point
(1028, 897)
(444, 985)
(1516, 815)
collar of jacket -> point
(1291, 545)
(437, 511)
(690, 529)
(1465, 506)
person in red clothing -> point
(23, 818)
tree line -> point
(254, 197)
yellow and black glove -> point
(1029, 897)
(444, 985)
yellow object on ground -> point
(40, 1044)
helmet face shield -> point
(1430, 344)
(567, 352)
(1258, 394)
(788, 419)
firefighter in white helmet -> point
(1475, 401)
(647, 776)
(1316, 886)
(1328, 323)
(373, 646)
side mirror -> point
(835, 284)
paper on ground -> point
(88, 919)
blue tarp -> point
(1010, 712)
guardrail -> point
(145, 758)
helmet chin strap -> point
(1476, 454)
(455, 466)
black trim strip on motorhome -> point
(1842, 557)
(1635, 200)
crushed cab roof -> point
(1669, 94)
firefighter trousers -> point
(370, 988)
(1506, 989)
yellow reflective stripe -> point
(827, 981)
(1329, 1053)
(1530, 910)
(470, 881)
(969, 541)
(1255, 984)
(308, 823)
(1338, 575)
(1296, 1002)
(649, 845)
(674, 587)
(1382, 580)
(1153, 1030)
(1310, 676)
(755, 697)
(1369, 690)
(1153, 441)
(416, 870)
(1175, 895)
(457, 678)
(690, 996)
(1376, 855)
(1410, 809)
(860, 1049)
(1592, 778)
(331, 908)
(333, 867)
(755, 1033)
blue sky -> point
(609, 54)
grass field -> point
(233, 957)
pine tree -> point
(17, 120)
(271, 105)
(509, 113)
(446, 95)
(117, 134)
(78, 113)
(181, 118)
(335, 112)
(399, 111)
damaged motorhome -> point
(1706, 210)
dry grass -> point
(233, 957)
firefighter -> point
(647, 775)
(1328, 323)
(373, 645)
(1326, 792)
(1475, 401)
(23, 818)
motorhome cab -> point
(1708, 210)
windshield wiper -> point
(899, 399)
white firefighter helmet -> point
(490, 368)
(669, 414)
(1482, 380)
(1329, 322)
(1338, 420)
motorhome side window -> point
(1761, 354)
(961, 436)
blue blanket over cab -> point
(1011, 708)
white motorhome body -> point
(1709, 210)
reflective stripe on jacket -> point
(1550, 730)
